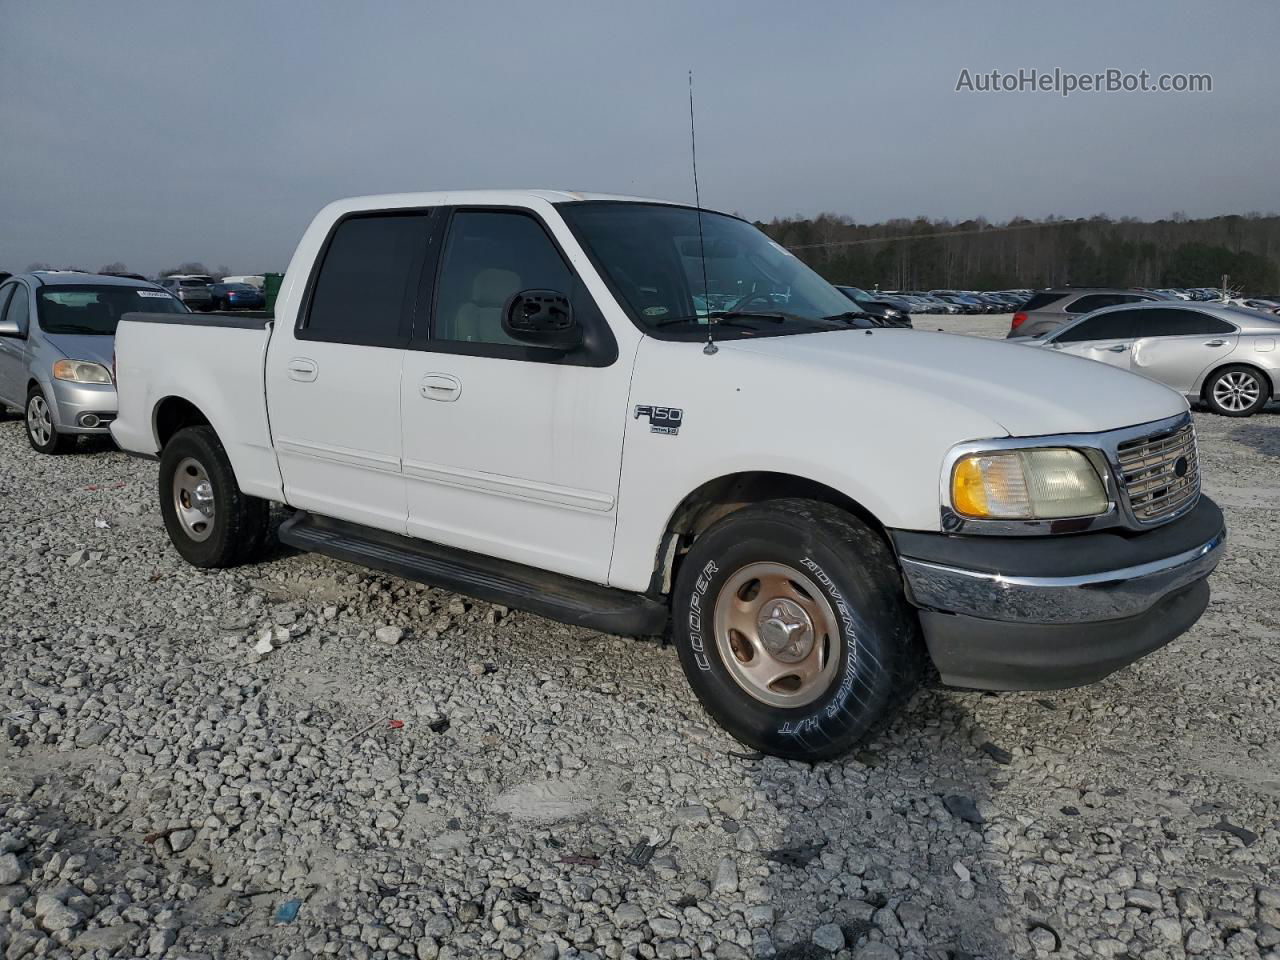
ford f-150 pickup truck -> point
(647, 418)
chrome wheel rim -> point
(777, 634)
(1237, 391)
(39, 423)
(193, 499)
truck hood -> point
(1027, 392)
(73, 346)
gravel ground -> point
(407, 773)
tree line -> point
(926, 254)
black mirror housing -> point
(542, 318)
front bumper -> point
(1006, 613)
(74, 402)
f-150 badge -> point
(661, 419)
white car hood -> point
(1027, 392)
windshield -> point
(651, 257)
(86, 309)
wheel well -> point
(1266, 378)
(173, 414)
(722, 496)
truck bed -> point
(212, 362)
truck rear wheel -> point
(210, 520)
(793, 629)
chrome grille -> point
(1160, 473)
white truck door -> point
(333, 380)
(512, 450)
(1105, 337)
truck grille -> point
(1160, 473)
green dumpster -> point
(271, 289)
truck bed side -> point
(214, 363)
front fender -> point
(879, 444)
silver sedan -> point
(57, 330)
(1227, 356)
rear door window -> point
(1109, 326)
(1038, 301)
(365, 289)
(1172, 322)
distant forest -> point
(924, 254)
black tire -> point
(235, 530)
(1227, 391)
(39, 410)
(877, 631)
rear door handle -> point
(1118, 348)
(300, 368)
(1215, 343)
(440, 386)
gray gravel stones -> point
(10, 870)
(478, 788)
(829, 936)
(389, 635)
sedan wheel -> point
(41, 432)
(1236, 392)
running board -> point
(551, 595)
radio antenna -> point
(710, 347)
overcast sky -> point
(153, 133)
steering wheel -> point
(751, 298)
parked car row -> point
(1199, 294)
(202, 292)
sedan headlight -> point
(81, 371)
(1038, 484)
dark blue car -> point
(237, 296)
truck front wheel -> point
(210, 520)
(792, 627)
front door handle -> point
(440, 386)
(1118, 348)
(1215, 343)
(302, 369)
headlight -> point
(1040, 484)
(81, 371)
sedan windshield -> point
(89, 309)
(675, 282)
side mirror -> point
(542, 318)
(10, 328)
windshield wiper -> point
(849, 316)
(721, 315)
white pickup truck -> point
(642, 417)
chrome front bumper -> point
(1107, 595)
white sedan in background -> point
(1225, 355)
